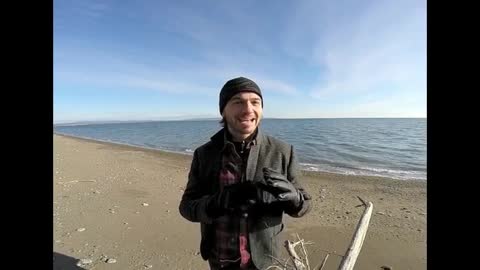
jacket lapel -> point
(253, 157)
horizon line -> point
(215, 118)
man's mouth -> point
(247, 120)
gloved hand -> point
(232, 198)
(280, 187)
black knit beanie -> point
(237, 85)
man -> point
(240, 184)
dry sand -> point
(121, 203)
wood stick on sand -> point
(297, 262)
(324, 262)
(76, 181)
(357, 241)
(304, 252)
(278, 261)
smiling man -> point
(241, 183)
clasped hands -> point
(234, 197)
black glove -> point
(235, 197)
(280, 187)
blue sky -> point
(149, 60)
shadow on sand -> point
(64, 262)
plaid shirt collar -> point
(227, 138)
(222, 137)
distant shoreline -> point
(189, 156)
(79, 123)
(130, 146)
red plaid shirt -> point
(231, 247)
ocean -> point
(386, 147)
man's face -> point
(243, 113)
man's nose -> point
(248, 107)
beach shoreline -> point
(189, 155)
(103, 187)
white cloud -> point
(165, 85)
(103, 68)
(267, 84)
(93, 9)
(361, 47)
(373, 53)
(138, 83)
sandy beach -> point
(116, 207)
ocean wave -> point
(366, 171)
(344, 146)
(384, 170)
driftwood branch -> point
(348, 260)
(274, 266)
(323, 262)
(357, 241)
(363, 201)
(286, 263)
(297, 262)
(304, 252)
(331, 253)
(278, 261)
(75, 181)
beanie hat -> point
(235, 86)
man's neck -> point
(236, 138)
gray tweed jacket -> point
(203, 182)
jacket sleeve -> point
(193, 203)
(292, 175)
